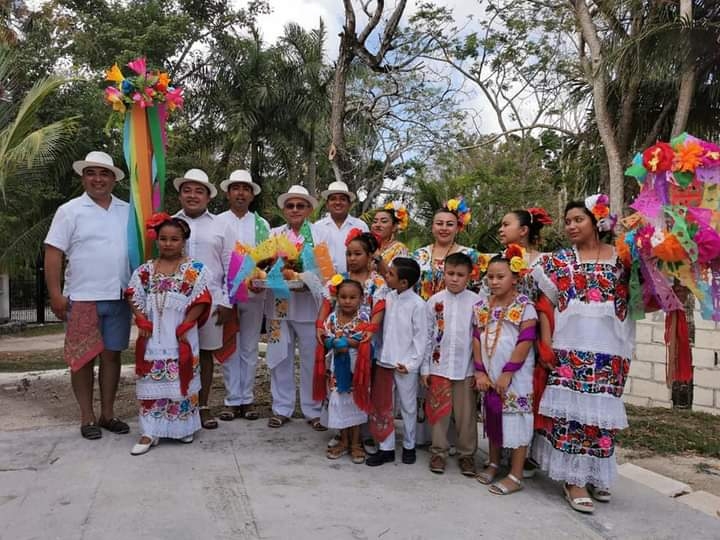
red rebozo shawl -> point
(185, 355)
(230, 330)
(547, 355)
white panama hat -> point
(199, 177)
(98, 159)
(297, 192)
(338, 187)
(240, 176)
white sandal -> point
(498, 488)
(143, 448)
(484, 476)
(579, 504)
(600, 495)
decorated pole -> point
(673, 238)
(141, 104)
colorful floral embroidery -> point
(513, 313)
(575, 438)
(589, 372)
(273, 330)
(587, 282)
(374, 288)
(517, 404)
(431, 277)
(168, 409)
(439, 330)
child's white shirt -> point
(449, 350)
(405, 330)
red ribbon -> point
(547, 355)
(185, 357)
(142, 368)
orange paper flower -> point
(670, 249)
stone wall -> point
(646, 384)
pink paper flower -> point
(138, 65)
(174, 98)
(594, 295)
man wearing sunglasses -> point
(292, 321)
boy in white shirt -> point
(447, 371)
(405, 330)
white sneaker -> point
(143, 448)
(187, 440)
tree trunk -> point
(338, 152)
(687, 79)
(311, 162)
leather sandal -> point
(206, 418)
(498, 488)
(114, 425)
(91, 431)
(487, 475)
(277, 421)
(579, 504)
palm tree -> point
(24, 146)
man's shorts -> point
(114, 321)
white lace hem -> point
(602, 410)
(575, 469)
(517, 430)
(170, 429)
(342, 411)
(146, 388)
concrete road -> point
(246, 481)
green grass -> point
(11, 362)
(671, 431)
(39, 330)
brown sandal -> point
(230, 412)
(248, 412)
(341, 448)
(206, 418)
(316, 425)
(277, 421)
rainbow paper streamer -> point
(275, 281)
(239, 269)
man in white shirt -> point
(448, 371)
(292, 321)
(249, 229)
(90, 234)
(207, 244)
(334, 227)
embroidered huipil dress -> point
(593, 342)
(342, 410)
(165, 411)
(517, 412)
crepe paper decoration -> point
(275, 247)
(669, 250)
(708, 245)
(140, 103)
(689, 196)
(688, 156)
(460, 208)
(661, 289)
(637, 170)
(400, 212)
(324, 261)
(240, 268)
(307, 257)
(276, 282)
(658, 157)
(647, 204)
(709, 175)
(683, 232)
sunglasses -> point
(295, 206)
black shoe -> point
(408, 456)
(383, 456)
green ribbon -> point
(155, 126)
(262, 232)
(637, 309)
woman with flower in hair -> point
(388, 220)
(592, 343)
(169, 297)
(447, 222)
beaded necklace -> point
(497, 332)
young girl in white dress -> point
(505, 326)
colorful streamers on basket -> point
(673, 238)
(141, 103)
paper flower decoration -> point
(598, 205)
(517, 265)
(400, 212)
(540, 215)
(459, 207)
(144, 88)
(658, 157)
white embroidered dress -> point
(165, 300)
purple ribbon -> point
(493, 417)
(512, 367)
(480, 367)
(527, 334)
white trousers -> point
(282, 375)
(405, 392)
(239, 370)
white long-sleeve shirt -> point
(335, 237)
(206, 244)
(449, 346)
(405, 330)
